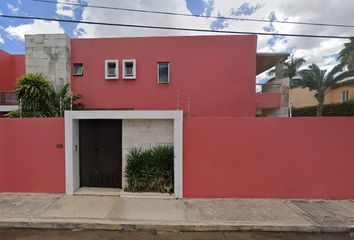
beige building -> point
(302, 97)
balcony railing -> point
(8, 98)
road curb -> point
(94, 224)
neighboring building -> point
(275, 90)
(11, 67)
(302, 97)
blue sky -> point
(32, 8)
(29, 8)
(320, 51)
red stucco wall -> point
(268, 157)
(29, 158)
(217, 73)
(11, 67)
(268, 100)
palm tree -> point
(346, 55)
(321, 82)
(33, 91)
(38, 98)
(291, 69)
(62, 100)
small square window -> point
(78, 69)
(129, 69)
(111, 69)
(163, 71)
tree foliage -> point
(150, 170)
(291, 68)
(346, 55)
(37, 98)
(321, 82)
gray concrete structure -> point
(282, 86)
(49, 54)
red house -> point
(137, 91)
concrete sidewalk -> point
(115, 213)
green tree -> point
(291, 68)
(38, 98)
(321, 82)
(62, 100)
(34, 91)
(346, 55)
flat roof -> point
(266, 61)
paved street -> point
(35, 234)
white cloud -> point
(2, 40)
(12, 8)
(66, 10)
(115, 16)
(37, 27)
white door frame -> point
(72, 168)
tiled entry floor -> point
(98, 191)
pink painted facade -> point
(32, 155)
(232, 157)
(227, 151)
(11, 67)
(267, 100)
(268, 158)
(216, 73)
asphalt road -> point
(39, 234)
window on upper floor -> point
(111, 69)
(345, 96)
(78, 69)
(129, 69)
(163, 71)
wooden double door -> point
(100, 153)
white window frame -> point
(134, 69)
(158, 73)
(106, 69)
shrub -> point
(38, 98)
(150, 170)
(335, 109)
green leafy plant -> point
(322, 82)
(38, 98)
(346, 55)
(150, 170)
(334, 109)
(291, 68)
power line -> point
(174, 28)
(196, 15)
(11, 46)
